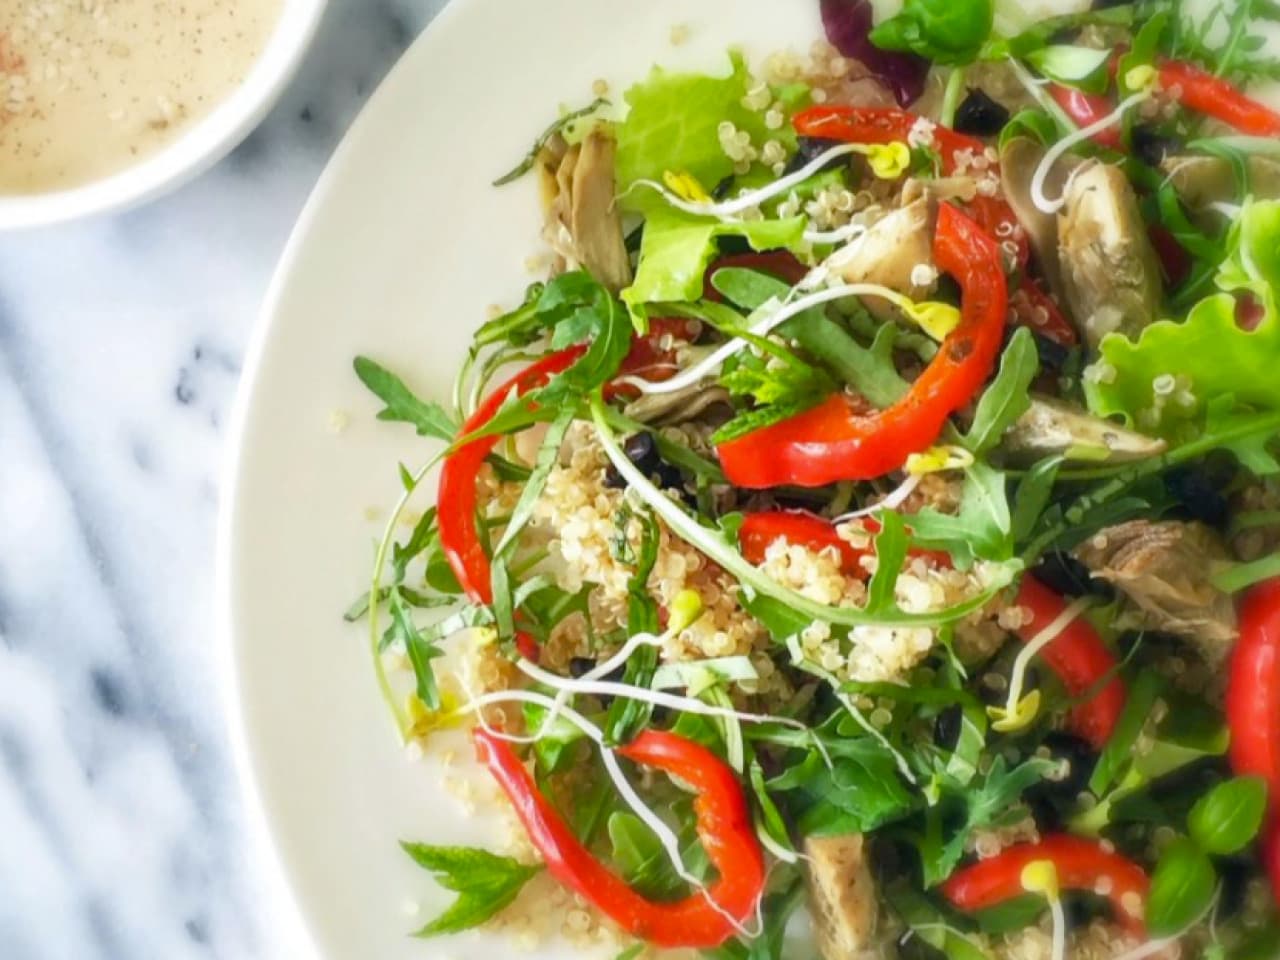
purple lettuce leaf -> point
(848, 23)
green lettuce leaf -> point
(673, 125)
(677, 249)
(1209, 355)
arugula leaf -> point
(982, 525)
(557, 125)
(1034, 492)
(627, 716)
(417, 647)
(1142, 695)
(673, 124)
(991, 803)
(423, 535)
(428, 418)
(870, 371)
(891, 553)
(944, 31)
(678, 247)
(1241, 575)
(1007, 398)
(485, 883)
(858, 793)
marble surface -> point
(123, 831)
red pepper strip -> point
(1085, 109)
(886, 125)
(1175, 262)
(1027, 302)
(759, 530)
(776, 263)
(1253, 690)
(1079, 658)
(457, 496)
(832, 442)
(648, 358)
(723, 824)
(1080, 863)
(880, 125)
(1214, 97)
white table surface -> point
(123, 833)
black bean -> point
(980, 116)
(1236, 871)
(1067, 575)
(1151, 146)
(642, 450)
(580, 665)
(946, 728)
(1199, 489)
(809, 149)
(613, 479)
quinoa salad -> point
(862, 540)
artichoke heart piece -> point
(1052, 427)
(1110, 274)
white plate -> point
(401, 249)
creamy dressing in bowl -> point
(89, 88)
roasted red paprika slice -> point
(1080, 660)
(1253, 690)
(1085, 109)
(653, 356)
(457, 497)
(1215, 97)
(1081, 865)
(833, 442)
(887, 125)
(723, 825)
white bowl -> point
(204, 144)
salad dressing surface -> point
(89, 87)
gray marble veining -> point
(122, 830)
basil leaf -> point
(1007, 398)
(1181, 888)
(428, 418)
(485, 882)
(1226, 818)
(944, 31)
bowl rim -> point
(195, 151)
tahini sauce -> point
(89, 87)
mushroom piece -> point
(583, 223)
(679, 406)
(842, 896)
(1052, 427)
(889, 254)
(1110, 274)
(1163, 569)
